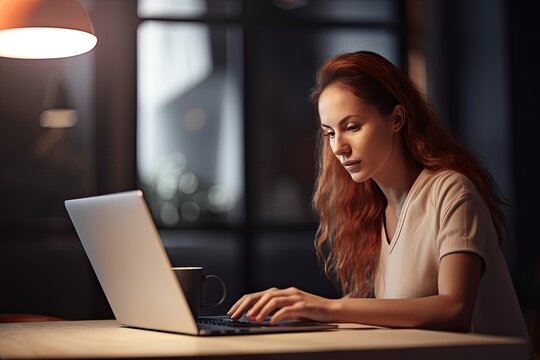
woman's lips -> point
(351, 166)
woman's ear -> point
(398, 117)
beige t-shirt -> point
(443, 214)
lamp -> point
(44, 29)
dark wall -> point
(524, 59)
(43, 267)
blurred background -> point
(203, 104)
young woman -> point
(406, 214)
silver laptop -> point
(130, 262)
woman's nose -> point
(341, 148)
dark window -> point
(226, 133)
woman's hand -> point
(290, 304)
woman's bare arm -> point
(451, 309)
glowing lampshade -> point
(44, 29)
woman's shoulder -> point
(447, 182)
(448, 177)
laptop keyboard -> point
(231, 323)
(225, 325)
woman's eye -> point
(329, 134)
(352, 128)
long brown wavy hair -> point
(351, 214)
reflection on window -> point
(189, 129)
(187, 8)
(338, 10)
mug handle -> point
(223, 296)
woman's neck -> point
(397, 181)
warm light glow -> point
(44, 42)
(58, 118)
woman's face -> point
(359, 135)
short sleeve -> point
(465, 222)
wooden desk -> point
(107, 339)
